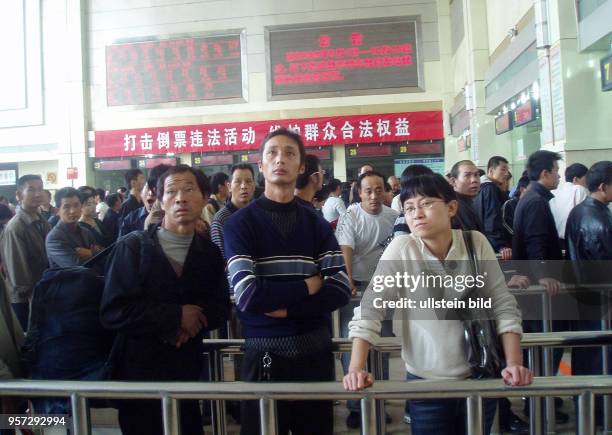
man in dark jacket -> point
(536, 239)
(161, 299)
(588, 235)
(535, 236)
(134, 178)
(466, 183)
(488, 205)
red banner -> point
(238, 136)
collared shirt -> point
(22, 246)
(568, 196)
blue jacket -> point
(267, 270)
(133, 221)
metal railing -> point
(217, 348)
(473, 391)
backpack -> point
(66, 339)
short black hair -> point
(24, 179)
(112, 199)
(575, 170)
(242, 166)
(86, 192)
(539, 161)
(131, 175)
(433, 186)
(454, 172)
(495, 161)
(600, 172)
(66, 192)
(101, 193)
(122, 189)
(201, 179)
(523, 182)
(311, 165)
(322, 194)
(414, 171)
(369, 174)
(154, 175)
(285, 132)
(481, 172)
(218, 179)
(334, 184)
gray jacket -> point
(62, 243)
(11, 338)
(22, 247)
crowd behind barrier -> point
(518, 225)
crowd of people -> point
(184, 252)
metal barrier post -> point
(548, 361)
(267, 416)
(219, 423)
(605, 325)
(336, 324)
(474, 415)
(535, 403)
(80, 415)
(170, 412)
(376, 363)
(586, 413)
(368, 416)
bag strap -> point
(468, 239)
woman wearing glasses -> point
(432, 348)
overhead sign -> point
(113, 165)
(188, 69)
(239, 136)
(8, 177)
(370, 151)
(344, 56)
(72, 173)
(503, 123)
(435, 164)
(606, 73)
(524, 114)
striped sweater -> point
(267, 269)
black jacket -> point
(488, 206)
(467, 217)
(535, 234)
(143, 300)
(588, 232)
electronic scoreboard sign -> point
(355, 56)
(173, 70)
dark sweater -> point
(267, 268)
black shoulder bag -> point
(482, 344)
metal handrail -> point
(474, 391)
(530, 341)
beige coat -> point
(11, 338)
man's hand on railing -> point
(517, 375)
(552, 285)
(519, 281)
(506, 254)
(357, 380)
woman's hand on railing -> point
(357, 380)
(517, 375)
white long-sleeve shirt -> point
(567, 196)
(433, 349)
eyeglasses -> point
(425, 205)
(322, 172)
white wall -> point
(111, 20)
(502, 15)
(45, 169)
